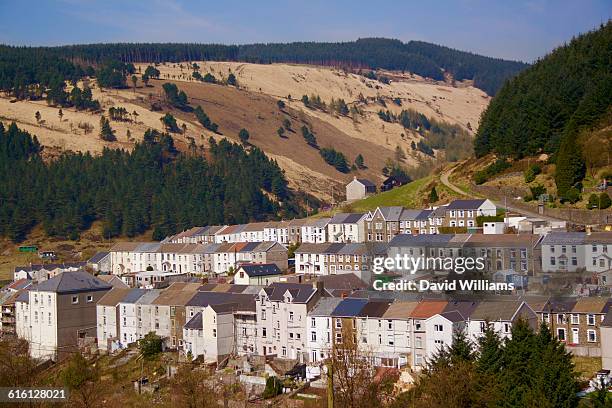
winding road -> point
(444, 179)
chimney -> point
(320, 287)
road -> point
(444, 179)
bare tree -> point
(352, 376)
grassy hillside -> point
(412, 195)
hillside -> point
(424, 59)
(253, 105)
(554, 107)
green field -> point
(411, 195)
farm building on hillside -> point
(359, 188)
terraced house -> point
(282, 309)
(60, 311)
(577, 322)
(463, 213)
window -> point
(553, 260)
(561, 334)
(290, 316)
(438, 327)
(263, 315)
(391, 340)
(390, 324)
(591, 336)
(575, 319)
(89, 298)
(313, 336)
(591, 320)
(214, 332)
(483, 326)
(560, 318)
(313, 322)
(75, 300)
(264, 332)
(338, 323)
(506, 327)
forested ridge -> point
(153, 186)
(419, 57)
(548, 106)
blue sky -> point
(514, 29)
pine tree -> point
(570, 169)
(359, 162)
(433, 195)
(106, 132)
(489, 351)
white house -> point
(501, 314)
(359, 188)
(314, 231)
(108, 319)
(62, 310)
(282, 309)
(347, 227)
(319, 329)
(257, 274)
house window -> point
(390, 324)
(591, 319)
(89, 298)
(591, 336)
(391, 340)
(284, 351)
(313, 336)
(290, 316)
(313, 322)
(338, 324)
(264, 332)
(575, 319)
(214, 332)
(438, 327)
(561, 334)
(75, 300)
(560, 319)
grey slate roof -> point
(195, 322)
(301, 292)
(391, 213)
(325, 307)
(346, 218)
(564, 238)
(409, 240)
(366, 182)
(73, 282)
(134, 295)
(465, 204)
(260, 269)
(409, 214)
(98, 257)
(241, 300)
(349, 307)
(463, 307)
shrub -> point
(532, 172)
(273, 388)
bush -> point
(572, 195)
(532, 172)
(494, 168)
(150, 345)
(273, 388)
(604, 201)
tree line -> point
(152, 187)
(421, 58)
(547, 108)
